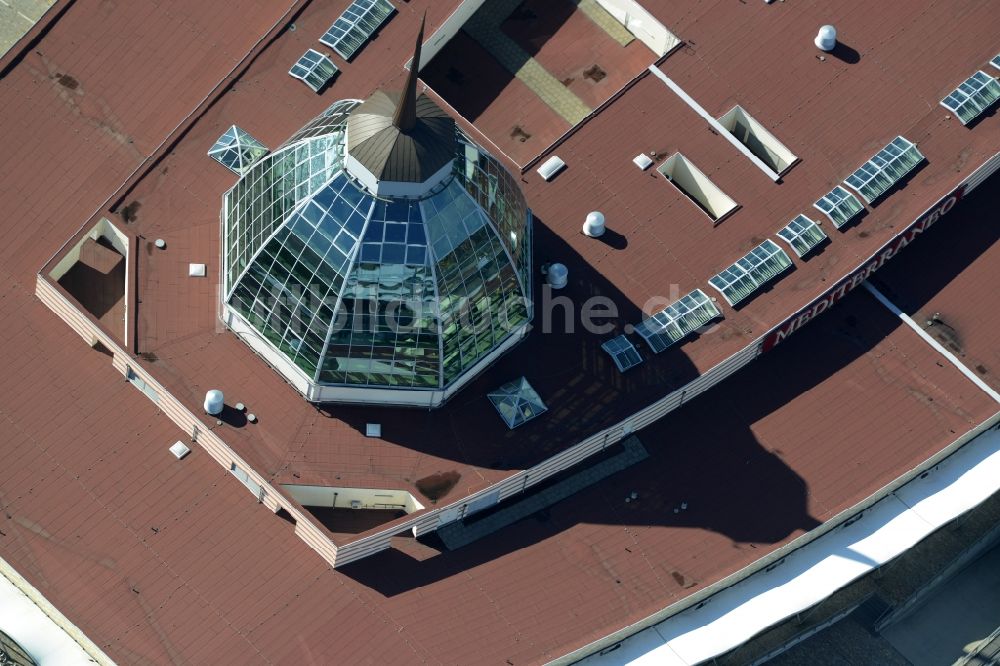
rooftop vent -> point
(826, 38)
(517, 402)
(180, 449)
(594, 224)
(696, 186)
(557, 275)
(643, 161)
(214, 402)
(551, 167)
(196, 270)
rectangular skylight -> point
(973, 96)
(356, 26)
(623, 352)
(885, 169)
(758, 140)
(802, 234)
(840, 206)
(996, 61)
(677, 320)
(314, 68)
(751, 272)
(696, 186)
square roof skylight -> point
(973, 96)
(623, 352)
(802, 234)
(237, 150)
(517, 402)
(757, 267)
(885, 169)
(679, 319)
(356, 26)
(840, 206)
(314, 68)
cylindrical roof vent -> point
(594, 225)
(826, 39)
(214, 402)
(557, 276)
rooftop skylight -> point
(802, 234)
(751, 272)
(764, 145)
(973, 96)
(517, 402)
(996, 61)
(689, 179)
(623, 352)
(677, 320)
(885, 169)
(237, 150)
(314, 68)
(840, 206)
(356, 25)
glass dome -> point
(361, 297)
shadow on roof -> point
(704, 457)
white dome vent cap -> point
(826, 38)
(594, 224)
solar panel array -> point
(677, 320)
(973, 96)
(885, 169)
(623, 352)
(314, 68)
(840, 206)
(802, 234)
(751, 272)
(356, 25)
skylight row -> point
(356, 25)
(678, 320)
(885, 169)
(973, 96)
(839, 205)
(802, 234)
(623, 352)
(751, 272)
(314, 68)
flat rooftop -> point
(180, 591)
(659, 246)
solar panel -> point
(973, 96)
(677, 320)
(752, 271)
(885, 169)
(314, 68)
(802, 234)
(356, 25)
(623, 352)
(840, 206)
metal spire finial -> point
(405, 117)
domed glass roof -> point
(341, 289)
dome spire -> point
(405, 117)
